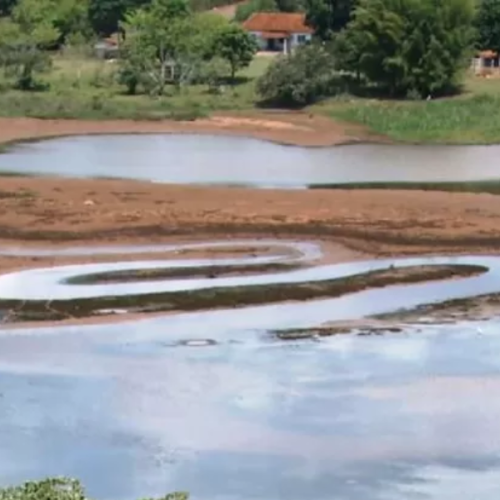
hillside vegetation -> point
(401, 67)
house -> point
(486, 63)
(278, 31)
(107, 48)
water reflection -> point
(211, 160)
(396, 417)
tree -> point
(236, 46)
(22, 39)
(165, 43)
(6, 7)
(488, 25)
(290, 5)
(299, 79)
(70, 18)
(408, 46)
(328, 16)
(105, 15)
(246, 9)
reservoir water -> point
(191, 159)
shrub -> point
(299, 79)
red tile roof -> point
(488, 54)
(277, 21)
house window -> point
(301, 38)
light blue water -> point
(408, 416)
(132, 412)
(189, 159)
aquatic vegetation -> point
(221, 297)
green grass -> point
(86, 88)
(491, 186)
(470, 118)
(223, 297)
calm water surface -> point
(133, 411)
(402, 417)
(229, 160)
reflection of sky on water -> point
(349, 417)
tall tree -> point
(246, 9)
(6, 7)
(165, 43)
(236, 46)
(328, 16)
(488, 25)
(71, 18)
(417, 46)
(106, 15)
(22, 39)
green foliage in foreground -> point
(60, 489)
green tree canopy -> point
(165, 42)
(236, 46)
(246, 9)
(328, 16)
(417, 46)
(6, 7)
(23, 36)
(488, 25)
(71, 18)
(105, 15)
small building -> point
(278, 31)
(485, 63)
(107, 48)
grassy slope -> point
(465, 119)
(87, 88)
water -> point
(236, 161)
(141, 408)
(400, 417)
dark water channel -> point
(235, 161)
(137, 409)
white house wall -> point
(293, 40)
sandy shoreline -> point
(290, 128)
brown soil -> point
(64, 211)
(294, 128)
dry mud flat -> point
(376, 222)
(352, 225)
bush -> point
(408, 47)
(299, 79)
(59, 489)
